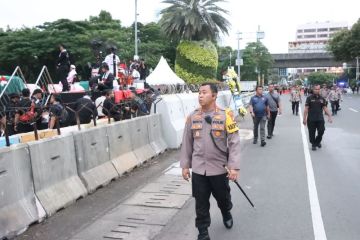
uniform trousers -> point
(295, 107)
(202, 188)
(334, 107)
(271, 122)
(314, 126)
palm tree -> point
(194, 19)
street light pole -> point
(260, 35)
(357, 69)
(238, 59)
(136, 30)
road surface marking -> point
(351, 109)
(317, 221)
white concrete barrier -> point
(55, 176)
(189, 102)
(173, 117)
(121, 147)
(155, 134)
(140, 139)
(18, 207)
(93, 158)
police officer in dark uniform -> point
(63, 67)
(313, 116)
(211, 141)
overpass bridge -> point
(304, 60)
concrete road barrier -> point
(173, 117)
(93, 158)
(140, 139)
(18, 207)
(155, 134)
(121, 147)
(189, 102)
(56, 181)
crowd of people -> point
(265, 108)
(24, 112)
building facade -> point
(314, 38)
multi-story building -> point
(314, 38)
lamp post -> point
(357, 69)
(136, 30)
(238, 59)
(260, 35)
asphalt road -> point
(298, 194)
(278, 180)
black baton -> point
(242, 190)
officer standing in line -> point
(324, 92)
(333, 98)
(314, 117)
(211, 141)
(295, 99)
(339, 97)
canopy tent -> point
(163, 74)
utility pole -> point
(136, 30)
(238, 59)
(230, 60)
(357, 69)
(260, 35)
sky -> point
(277, 18)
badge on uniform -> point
(217, 133)
(197, 134)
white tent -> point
(163, 74)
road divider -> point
(55, 176)
(93, 158)
(18, 207)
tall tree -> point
(31, 48)
(345, 45)
(194, 19)
(257, 61)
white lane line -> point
(317, 221)
(351, 109)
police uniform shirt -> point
(295, 96)
(316, 104)
(198, 150)
(333, 96)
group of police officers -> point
(211, 144)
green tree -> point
(194, 19)
(345, 45)
(31, 48)
(224, 59)
(197, 23)
(321, 78)
(257, 61)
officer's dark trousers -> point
(334, 107)
(337, 105)
(314, 126)
(202, 188)
(271, 123)
(295, 107)
(62, 73)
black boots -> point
(228, 220)
(203, 234)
